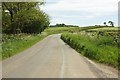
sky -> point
(82, 12)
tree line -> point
(63, 25)
(23, 17)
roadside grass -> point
(15, 43)
(100, 49)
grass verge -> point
(13, 44)
(102, 50)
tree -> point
(60, 25)
(34, 22)
(105, 23)
(24, 15)
(111, 23)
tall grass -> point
(13, 44)
(100, 50)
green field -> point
(56, 30)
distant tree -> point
(111, 23)
(105, 23)
(60, 25)
(63, 25)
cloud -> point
(82, 9)
(84, 5)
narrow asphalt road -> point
(52, 58)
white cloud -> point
(96, 8)
(84, 5)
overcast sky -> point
(82, 12)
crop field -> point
(100, 44)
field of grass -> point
(101, 48)
(56, 30)
(13, 44)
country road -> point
(52, 58)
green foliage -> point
(97, 49)
(15, 43)
(23, 17)
(105, 40)
(34, 22)
(5, 22)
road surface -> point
(52, 58)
